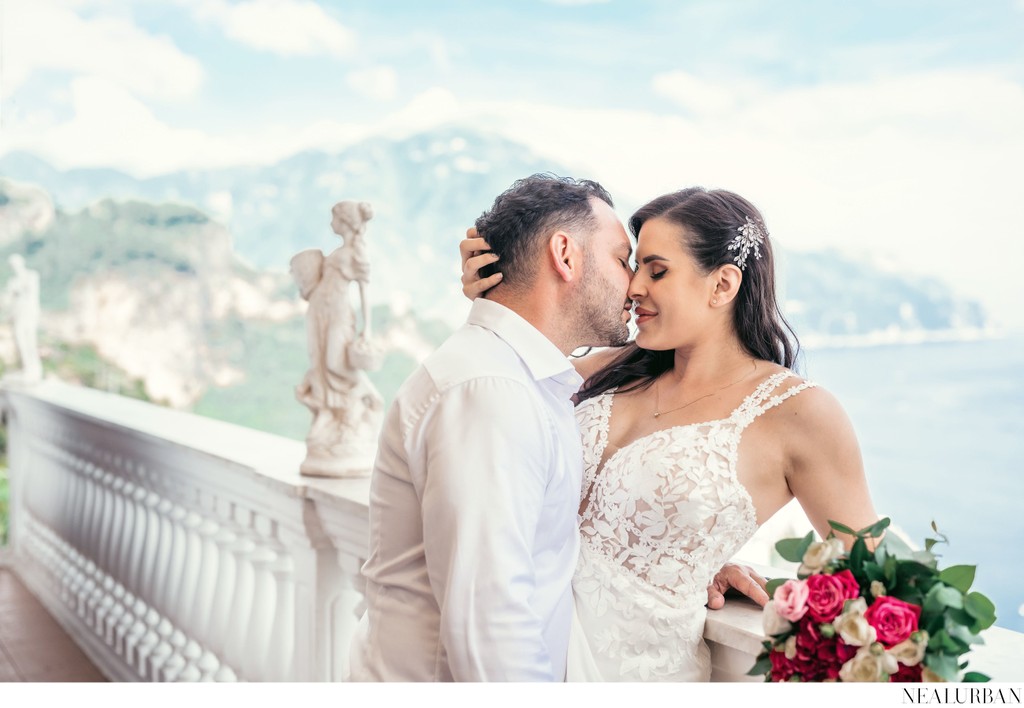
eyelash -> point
(659, 275)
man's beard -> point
(599, 317)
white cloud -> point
(47, 35)
(285, 27)
(111, 127)
(377, 82)
(692, 94)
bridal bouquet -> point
(883, 615)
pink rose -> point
(827, 594)
(894, 620)
(791, 600)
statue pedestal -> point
(348, 460)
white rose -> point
(820, 554)
(773, 622)
(910, 652)
(852, 626)
(877, 588)
(870, 663)
(790, 647)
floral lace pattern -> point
(664, 514)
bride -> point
(694, 435)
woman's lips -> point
(643, 315)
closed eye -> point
(658, 275)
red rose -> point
(782, 668)
(907, 674)
(816, 657)
(893, 619)
(827, 594)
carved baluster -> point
(158, 636)
(241, 609)
(143, 637)
(225, 539)
(261, 615)
(279, 665)
(181, 589)
(206, 579)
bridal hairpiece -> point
(752, 235)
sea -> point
(941, 429)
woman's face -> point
(671, 293)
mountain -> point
(176, 286)
(426, 189)
(149, 300)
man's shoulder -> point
(473, 352)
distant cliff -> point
(180, 282)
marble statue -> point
(347, 409)
(21, 296)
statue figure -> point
(347, 409)
(22, 297)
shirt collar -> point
(541, 356)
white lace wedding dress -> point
(665, 513)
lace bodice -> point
(668, 507)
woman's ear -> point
(724, 285)
(565, 256)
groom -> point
(473, 500)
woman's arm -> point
(826, 470)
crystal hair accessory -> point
(752, 235)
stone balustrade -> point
(177, 548)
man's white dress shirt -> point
(473, 502)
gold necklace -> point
(657, 398)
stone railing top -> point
(272, 458)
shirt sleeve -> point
(487, 453)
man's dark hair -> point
(525, 214)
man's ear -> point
(724, 285)
(564, 256)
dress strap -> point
(765, 398)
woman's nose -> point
(636, 287)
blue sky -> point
(894, 130)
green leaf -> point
(761, 667)
(873, 571)
(942, 596)
(875, 530)
(773, 585)
(963, 633)
(858, 555)
(793, 549)
(841, 528)
(929, 544)
(889, 568)
(976, 677)
(925, 558)
(981, 609)
(942, 664)
(959, 576)
(892, 546)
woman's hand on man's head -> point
(476, 253)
